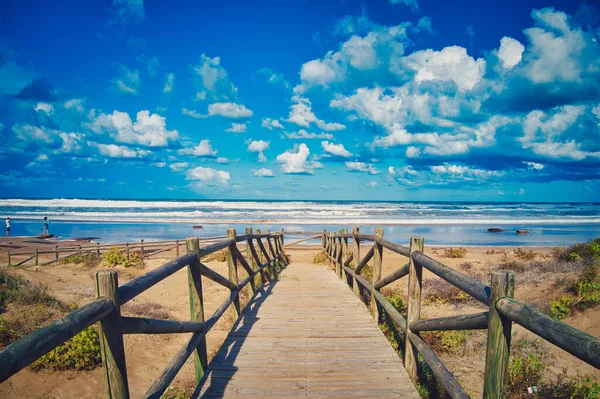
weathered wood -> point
(349, 259)
(415, 282)
(498, 339)
(251, 259)
(216, 277)
(324, 239)
(134, 287)
(264, 253)
(339, 254)
(56, 250)
(98, 250)
(399, 249)
(365, 237)
(303, 240)
(21, 262)
(256, 259)
(365, 260)
(345, 254)
(111, 337)
(37, 258)
(169, 373)
(192, 244)
(443, 375)
(8, 263)
(579, 344)
(141, 325)
(459, 280)
(127, 250)
(377, 266)
(177, 248)
(212, 320)
(233, 274)
(28, 349)
(476, 321)
(393, 276)
(142, 248)
(356, 257)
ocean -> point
(441, 223)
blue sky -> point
(301, 99)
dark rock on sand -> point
(522, 231)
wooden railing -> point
(106, 310)
(146, 250)
(499, 297)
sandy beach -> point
(147, 355)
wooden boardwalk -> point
(306, 335)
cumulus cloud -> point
(179, 166)
(301, 114)
(263, 172)
(128, 81)
(45, 107)
(237, 128)
(213, 78)
(193, 113)
(272, 77)
(120, 151)
(208, 176)
(303, 134)
(259, 146)
(337, 150)
(510, 52)
(295, 161)
(202, 150)
(148, 129)
(229, 110)
(362, 167)
(169, 83)
(271, 124)
(534, 165)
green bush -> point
(588, 252)
(455, 253)
(88, 260)
(320, 257)
(82, 352)
(523, 371)
(174, 393)
(560, 308)
(572, 388)
(114, 257)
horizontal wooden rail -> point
(25, 351)
(443, 375)
(581, 345)
(459, 280)
(364, 237)
(141, 325)
(216, 277)
(399, 249)
(317, 236)
(476, 321)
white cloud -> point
(229, 110)
(75, 104)
(303, 134)
(534, 165)
(47, 108)
(202, 150)
(271, 124)
(259, 146)
(263, 172)
(193, 113)
(371, 184)
(237, 128)
(148, 129)
(413, 152)
(128, 81)
(222, 160)
(169, 83)
(413, 4)
(510, 52)
(296, 161)
(200, 96)
(213, 78)
(151, 63)
(362, 167)
(35, 134)
(450, 64)
(464, 172)
(120, 151)
(273, 78)
(301, 114)
(335, 149)
(330, 126)
(208, 175)
(179, 166)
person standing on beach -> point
(45, 222)
(7, 227)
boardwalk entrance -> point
(306, 335)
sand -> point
(147, 355)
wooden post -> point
(111, 337)
(250, 259)
(98, 250)
(282, 238)
(273, 265)
(356, 256)
(233, 275)
(142, 248)
(415, 278)
(344, 256)
(192, 244)
(127, 250)
(324, 239)
(79, 250)
(8, 253)
(177, 247)
(36, 256)
(377, 262)
(338, 253)
(498, 340)
(56, 251)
